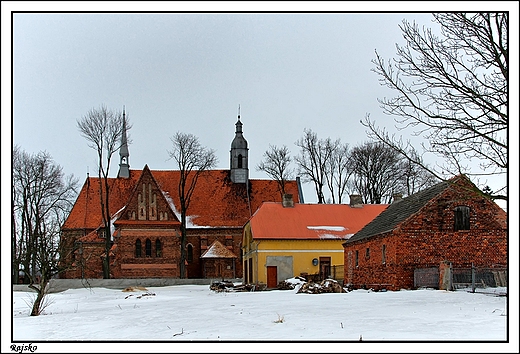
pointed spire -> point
(123, 136)
(238, 124)
(124, 165)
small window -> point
(138, 248)
(189, 251)
(367, 253)
(148, 248)
(461, 218)
(383, 254)
(158, 248)
(229, 241)
(240, 161)
(357, 258)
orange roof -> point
(216, 201)
(311, 221)
(217, 250)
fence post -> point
(472, 278)
(450, 286)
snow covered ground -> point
(196, 313)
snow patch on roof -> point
(327, 228)
(189, 222)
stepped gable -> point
(217, 201)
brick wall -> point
(201, 239)
(126, 264)
(162, 261)
(427, 239)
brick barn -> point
(145, 220)
(451, 222)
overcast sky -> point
(190, 72)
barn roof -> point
(401, 210)
(311, 221)
(216, 201)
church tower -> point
(239, 155)
(124, 166)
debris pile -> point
(227, 286)
(291, 283)
(140, 296)
(325, 286)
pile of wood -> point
(227, 286)
(220, 286)
(287, 285)
(325, 286)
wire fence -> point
(475, 277)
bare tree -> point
(451, 90)
(376, 171)
(414, 177)
(338, 171)
(192, 160)
(312, 160)
(276, 164)
(42, 199)
(104, 129)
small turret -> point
(239, 155)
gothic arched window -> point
(189, 256)
(158, 248)
(138, 248)
(148, 248)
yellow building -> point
(283, 240)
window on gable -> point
(148, 248)
(357, 258)
(367, 253)
(383, 254)
(158, 248)
(138, 248)
(461, 218)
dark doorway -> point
(272, 276)
(324, 267)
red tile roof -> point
(311, 221)
(216, 201)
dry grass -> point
(134, 288)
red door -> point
(272, 277)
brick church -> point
(146, 220)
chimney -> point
(356, 201)
(396, 197)
(287, 201)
